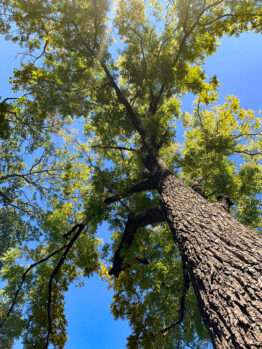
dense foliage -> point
(67, 144)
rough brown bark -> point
(225, 264)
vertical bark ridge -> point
(225, 262)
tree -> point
(129, 170)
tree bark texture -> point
(225, 264)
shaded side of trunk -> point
(225, 263)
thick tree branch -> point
(131, 114)
(151, 216)
(148, 184)
(115, 147)
(155, 100)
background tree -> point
(123, 87)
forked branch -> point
(151, 216)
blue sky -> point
(238, 66)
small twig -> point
(10, 202)
(247, 135)
(25, 175)
(13, 98)
(246, 152)
(42, 53)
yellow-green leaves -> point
(222, 151)
(69, 143)
(194, 78)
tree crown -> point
(117, 73)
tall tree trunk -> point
(225, 263)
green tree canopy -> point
(100, 85)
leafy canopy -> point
(99, 82)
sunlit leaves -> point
(154, 51)
(222, 151)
